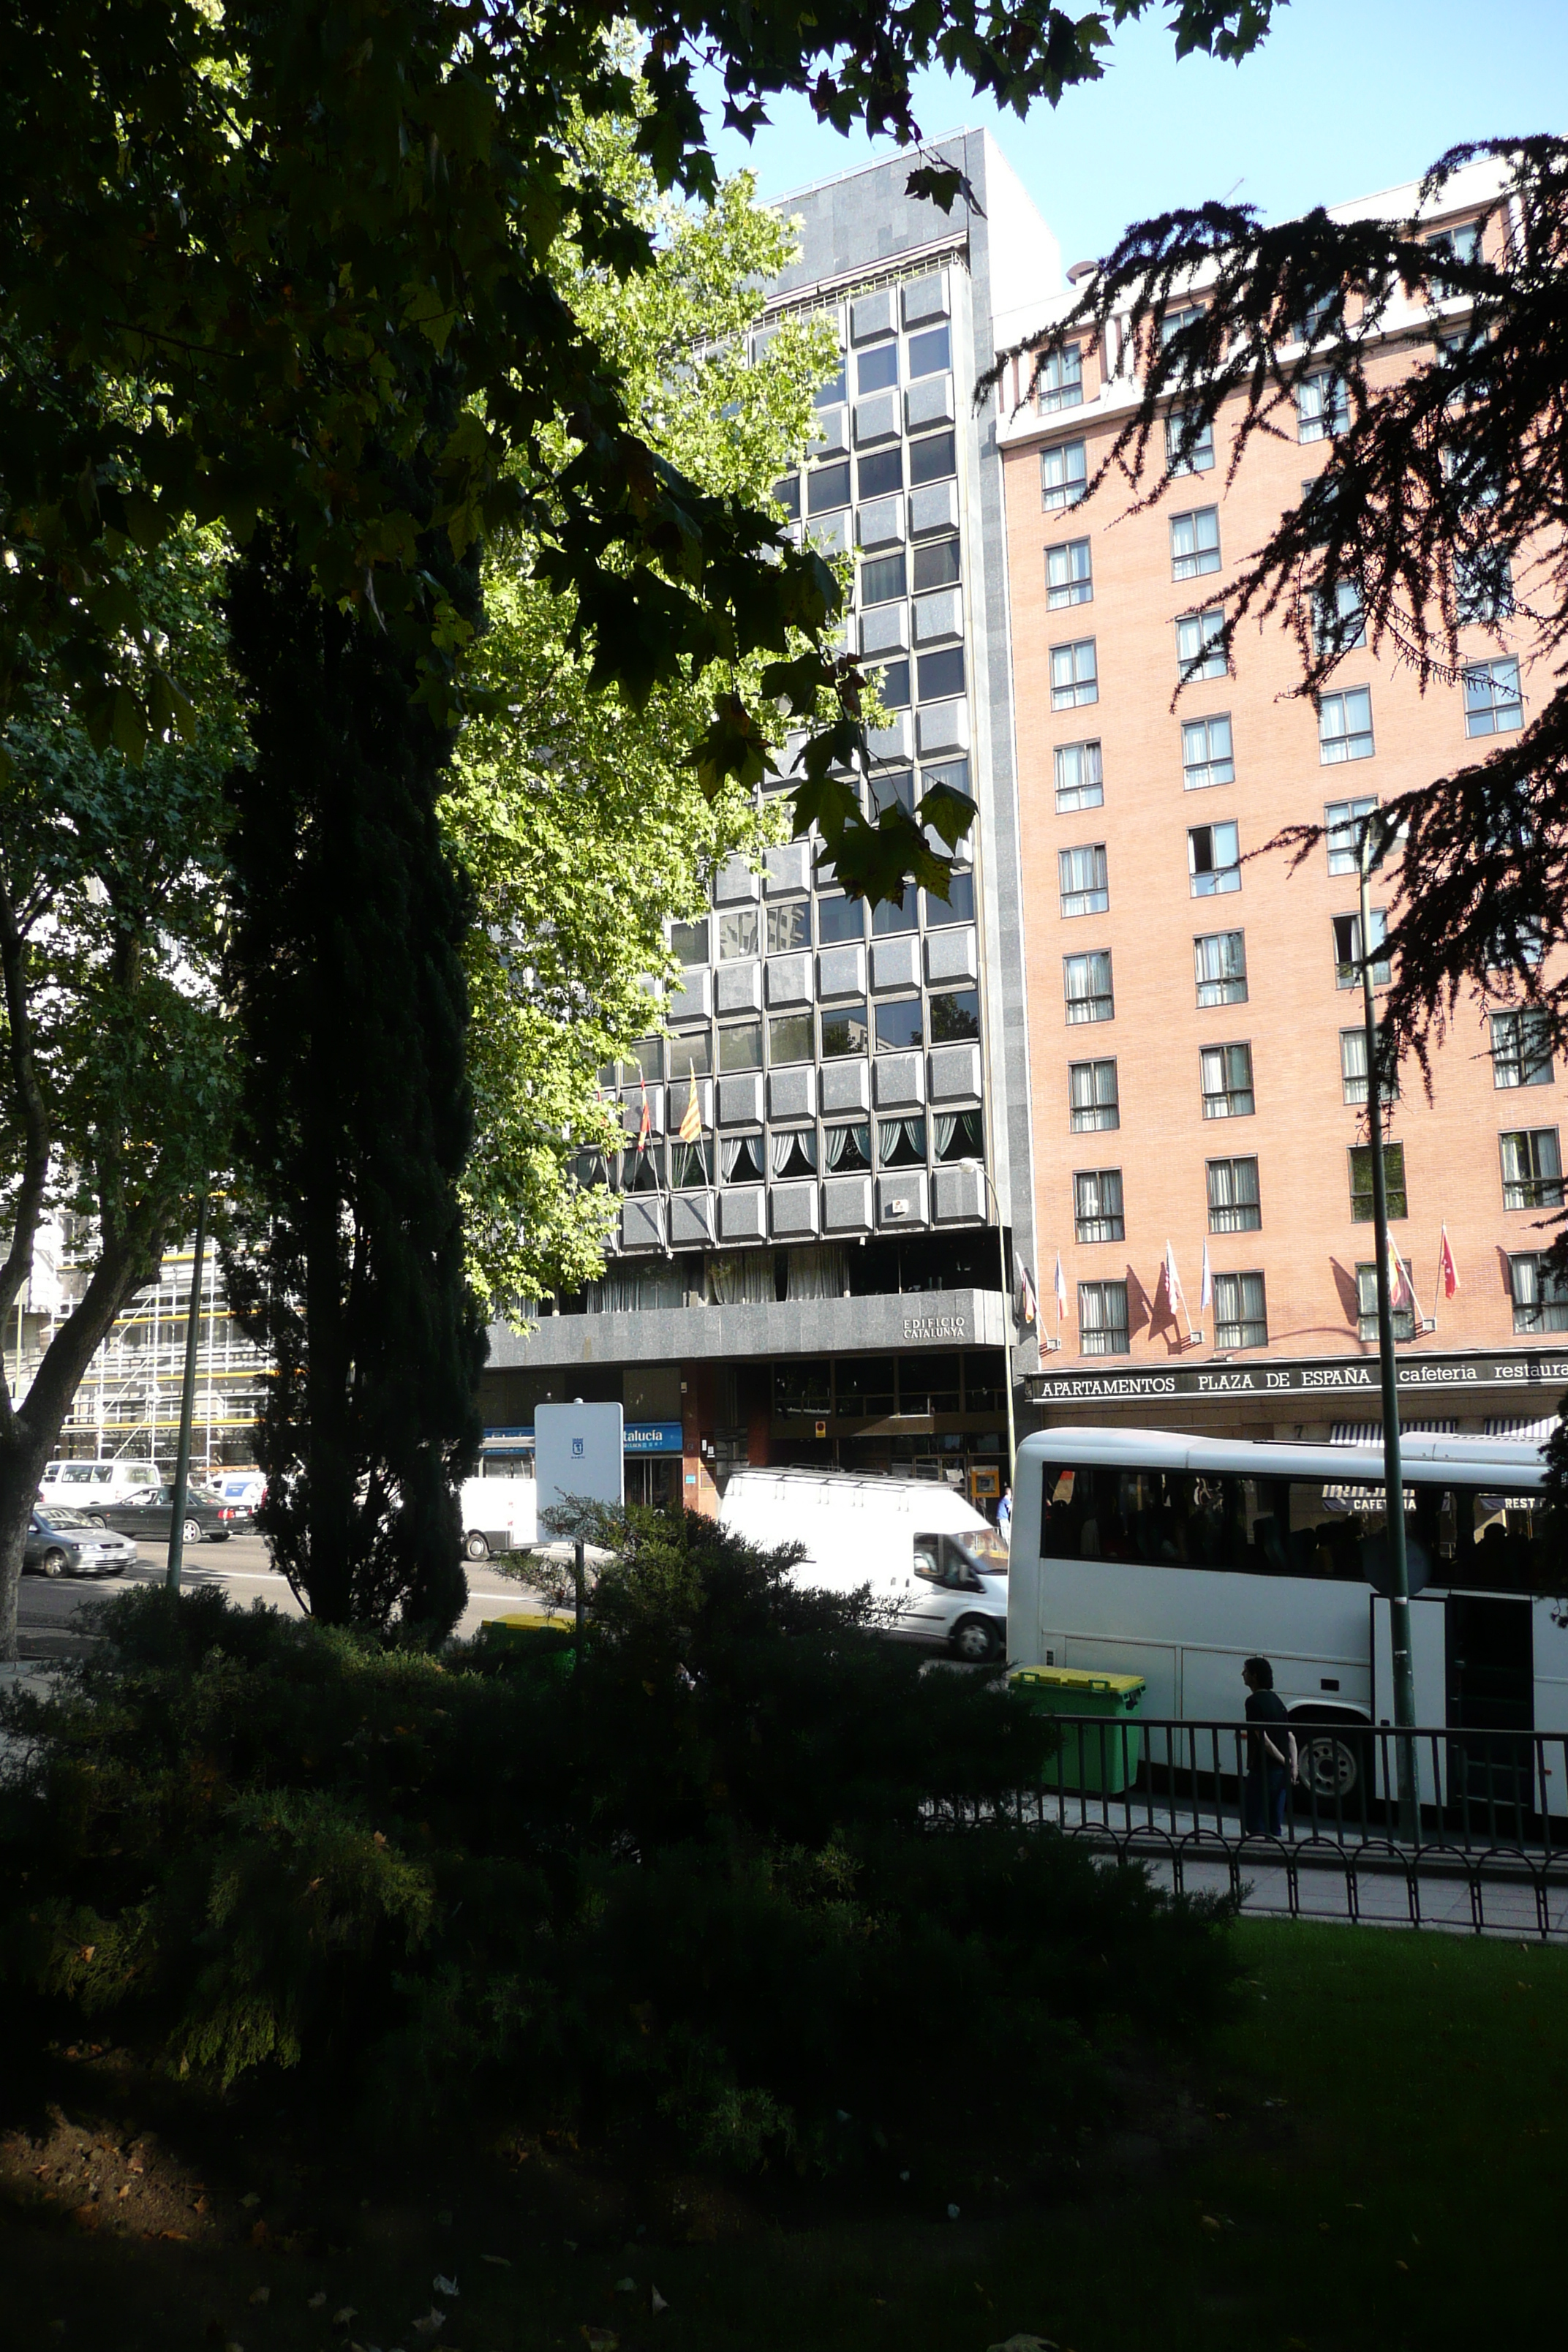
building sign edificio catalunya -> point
(1360, 1377)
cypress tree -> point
(344, 962)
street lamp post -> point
(187, 1406)
(1371, 849)
(979, 1168)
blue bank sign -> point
(653, 1438)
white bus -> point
(1176, 1558)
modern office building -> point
(833, 1271)
(1196, 1052)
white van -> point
(499, 1515)
(78, 1486)
(914, 1542)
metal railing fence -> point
(1208, 1808)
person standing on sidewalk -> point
(1270, 1755)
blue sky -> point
(1346, 96)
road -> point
(241, 1567)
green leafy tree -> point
(578, 815)
(115, 1095)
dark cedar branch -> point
(1445, 492)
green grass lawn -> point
(1377, 2160)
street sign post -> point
(579, 1455)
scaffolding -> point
(129, 1400)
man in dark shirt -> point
(1270, 1755)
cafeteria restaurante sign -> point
(1215, 1379)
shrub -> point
(695, 1887)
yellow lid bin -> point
(1101, 1757)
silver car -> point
(62, 1543)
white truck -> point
(78, 1486)
(913, 1542)
(499, 1515)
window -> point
(1532, 1168)
(1097, 1206)
(740, 1046)
(1240, 1318)
(958, 906)
(840, 917)
(1234, 1205)
(787, 493)
(937, 564)
(1225, 1077)
(1462, 243)
(789, 927)
(892, 686)
(880, 473)
(1214, 859)
(891, 916)
(901, 1142)
(1081, 779)
(1085, 886)
(640, 1169)
(1393, 1179)
(1194, 542)
(1521, 1049)
(1206, 755)
(1493, 702)
(1087, 981)
(1220, 965)
(934, 459)
(1189, 443)
(1075, 675)
(1102, 1318)
(740, 1159)
(836, 391)
(1339, 618)
(1343, 821)
(898, 1025)
(739, 931)
(877, 369)
(794, 1153)
(1483, 585)
(1061, 381)
(882, 581)
(847, 1151)
(844, 1031)
(959, 1135)
(1325, 314)
(1200, 645)
(1540, 1297)
(690, 1054)
(688, 1166)
(891, 788)
(954, 1015)
(1403, 1319)
(789, 1038)
(1175, 322)
(1344, 726)
(939, 675)
(1352, 1070)
(828, 488)
(1323, 406)
(1093, 1102)
(930, 353)
(1064, 474)
(688, 942)
(1347, 951)
(1068, 578)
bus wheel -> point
(973, 1640)
(1333, 1765)
(475, 1546)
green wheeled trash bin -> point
(1089, 1759)
(543, 1645)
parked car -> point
(151, 1515)
(62, 1543)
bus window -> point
(1515, 1544)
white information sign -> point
(578, 1451)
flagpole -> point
(1392, 1463)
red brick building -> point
(1197, 1065)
